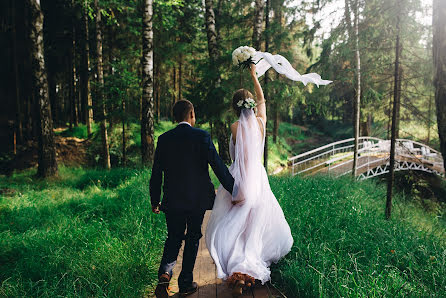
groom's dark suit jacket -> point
(183, 154)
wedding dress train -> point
(249, 236)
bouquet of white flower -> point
(243, 56)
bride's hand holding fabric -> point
(238, 197)
(252, 70)
(245, 56)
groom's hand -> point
(156, 209)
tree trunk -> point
(389, 119)
(174, 93)
(276, 122)
(51, 74)
(75, 87)
(400, 80)
(221, 130)
(70, 90)
(217, 14)
(395, 116)
(265, 84)
(124, 152)
(72, 65)
(47, 150)
(365, 127)
(211, 35)
(29, 116)
(439, 53)
(158, 98)
(67, 95)
(258, 21)
(220, 127)
(52, 95)
(357, 102)
(84, 75)
(156, 86)
(180, 78)
(18, 118)
(100, 70)
(108, 72)
(28, 85)
(348, 19)
(147, 117)
(79, 114)
(278, 16)
(429, 117)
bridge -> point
(373, 158)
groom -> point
(183, 155)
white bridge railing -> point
(337, 158)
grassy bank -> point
(91, 233)
(88, 233)
(343, 246)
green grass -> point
(87, 233)
(91, 233)
(335, 129)
(279, 152)
(79, 131)
(291, 131)
(343, 246)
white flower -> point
(242, 54)
(247, 103)
(234, 60)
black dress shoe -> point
(189, 290)
(162, 289)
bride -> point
(247, 230)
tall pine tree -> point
(46, 150)
(439, 52)
(147, 117)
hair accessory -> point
(247, 103)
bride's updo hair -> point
(240, 94)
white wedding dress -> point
(249, 236)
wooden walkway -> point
(206, 276)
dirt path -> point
(70, 151)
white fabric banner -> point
(283, 66)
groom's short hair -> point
(181, 109)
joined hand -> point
(156, 209)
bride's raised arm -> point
(260, 99)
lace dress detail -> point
(247, 237)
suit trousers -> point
(177, 222)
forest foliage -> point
(181, 67)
